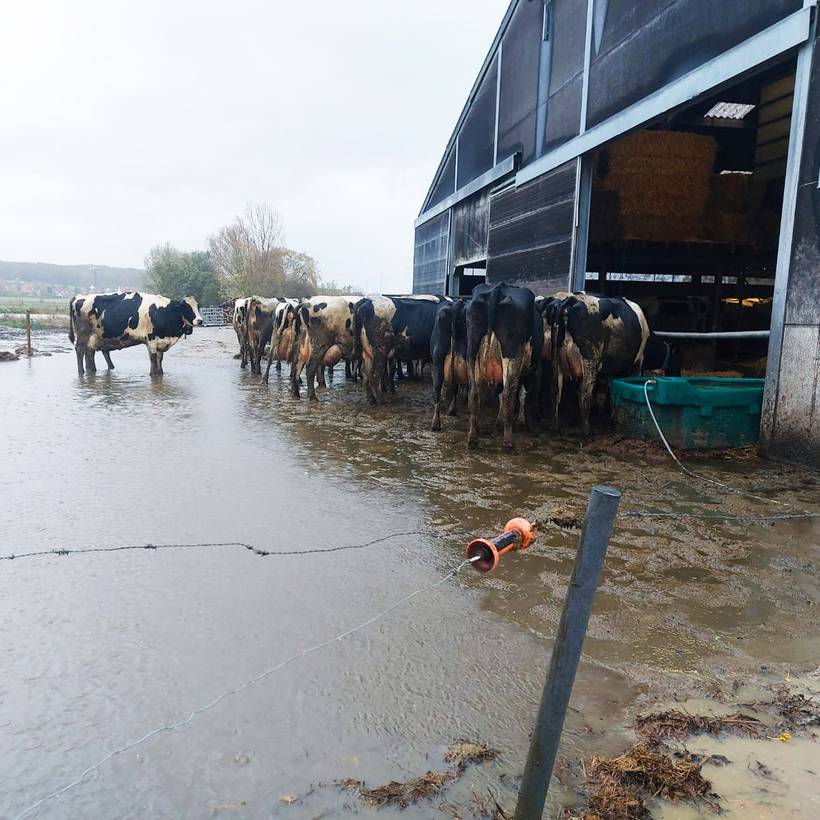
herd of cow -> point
(502, 340)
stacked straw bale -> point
(663, 183)
(728, 210)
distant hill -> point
(78, 277)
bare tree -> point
(248, 255)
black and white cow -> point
(283, 334)
(240, 314)
(324, 336)
(448, 353)
(593, 338)
(259, 328)
(112, 321)
(396, 328)
(504, 340)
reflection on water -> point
(99, 649)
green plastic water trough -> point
(694, 412)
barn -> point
(662, 150)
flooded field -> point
(97, 650)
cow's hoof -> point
(508, 447)
(313, 398)
(436, 427)
(472, 444)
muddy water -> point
(97, 650)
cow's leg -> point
(348, 370)
(108, 361)
(270, 362)
(391, 374)
(511, 369)
(160, 354)
(438, 382)
(313, 365)
(295, 377)
(473, 408)
(320, 373)
(153, 359)
(243, 349)
(586, 390)
(373, 368)
(78, 349)
(90, 364)
(330, 369)
(278, 366)
(557, 392)
(452, 398)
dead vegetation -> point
(676, 725)
(796, 711)
(619, 786)
(396, 793)
(460, 754)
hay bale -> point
(658, 174)
(730, 192)
(665, 144)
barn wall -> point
(795, 433)
(530, 236)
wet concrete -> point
(99, 649)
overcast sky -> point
(128, 124)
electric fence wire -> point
(256, 550)
(170, 727)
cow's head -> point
(189, 313)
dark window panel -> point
(645, 45)
(564, 114)
(520, 54)
(476, 142)
(447, 182)
(568, 39)
(430, 257)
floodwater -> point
(97, 650)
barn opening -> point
(685, 219)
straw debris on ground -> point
(619, 787)
(677, 725)
(796, 711)
(396, 793)
(462, 752)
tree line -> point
(247, 257)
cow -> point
(112, 321)
(240, 312)
(283, 335)
(259, 328)
(392, 329)
(504, 341)
(593, 338)
(448, 353)
(324, 335)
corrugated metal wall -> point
(530, 237)
(470, 230)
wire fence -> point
(270, 670)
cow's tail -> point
(495, 298)
(358, 325)
(71, 321)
